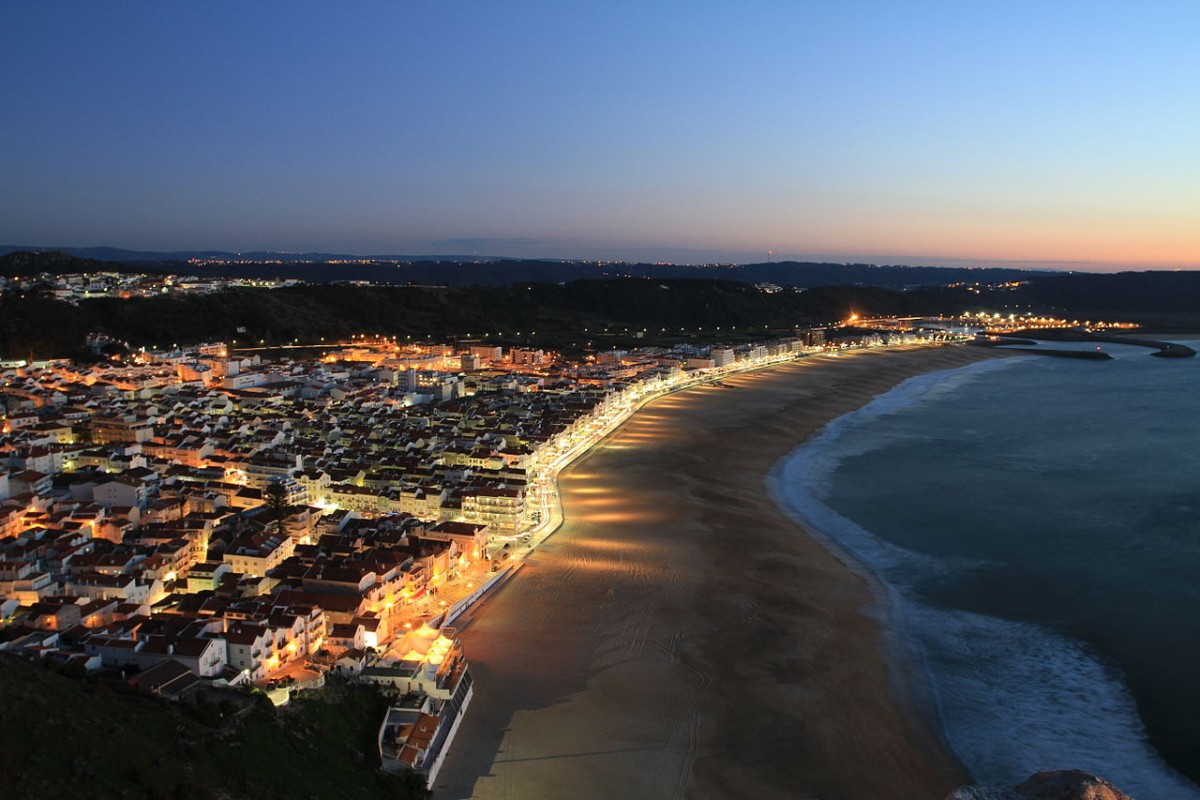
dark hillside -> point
(67, 737)
(558, 313)
(504, 272)
(1125, 292)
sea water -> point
(1035, 523)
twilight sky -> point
(963, 131)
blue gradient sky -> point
(919, 132)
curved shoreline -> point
(911, 682)
(983, 702)
(688, 642)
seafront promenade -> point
(546, 495)
(679, 635)
(472, 586)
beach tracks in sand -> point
(642, 649)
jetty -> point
(1024, 345)
(1030, 346)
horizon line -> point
(909, 262)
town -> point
(73, 287)
(204, 517)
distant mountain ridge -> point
(457, 271)
(557, 305)
(120, 254)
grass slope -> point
(67, 737)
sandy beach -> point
(680, 637)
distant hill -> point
(119, 254)
(605, 312)
(452, 271)
(454, 301)
(566, 303)
(1122, 292)
(72, 737)
(54, 262)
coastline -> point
(864, 481)
(681, 636)
(910, 680)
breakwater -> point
(1029, 346)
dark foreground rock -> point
(1070, 784)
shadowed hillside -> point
(560, 314)
(68, 737)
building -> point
(436, 688)
(503, 510)
(722, 356)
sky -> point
(1044, 133)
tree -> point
(277, 502)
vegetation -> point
(546, 314)
(71, 737)
(57, 263)
(571, 316)
(449, 271)
(275, 495)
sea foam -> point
(1010, 698)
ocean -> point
(1035, 525)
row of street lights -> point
(618, 408)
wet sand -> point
(680, 637)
